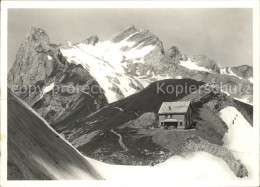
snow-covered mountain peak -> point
(131, 59)
(109, 61)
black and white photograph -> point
(160, 93)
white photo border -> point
(5, 5)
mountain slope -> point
(118, 113)
(134, 118)
(36, 152)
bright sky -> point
(224, 35)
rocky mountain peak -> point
(92, 40)
(145, 38)
(140, 37)
(36, 34)
(203, 61)
(34, 60)
(123, 34)
(174, 53)
(129, 28)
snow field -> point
(239, 138)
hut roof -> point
(174, 107)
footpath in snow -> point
(239, 138)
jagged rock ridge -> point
(121, 66)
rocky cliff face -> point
(47, 82)
(33, 62)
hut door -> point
(161, 123)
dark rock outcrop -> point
(91, 40)
(174, 54)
